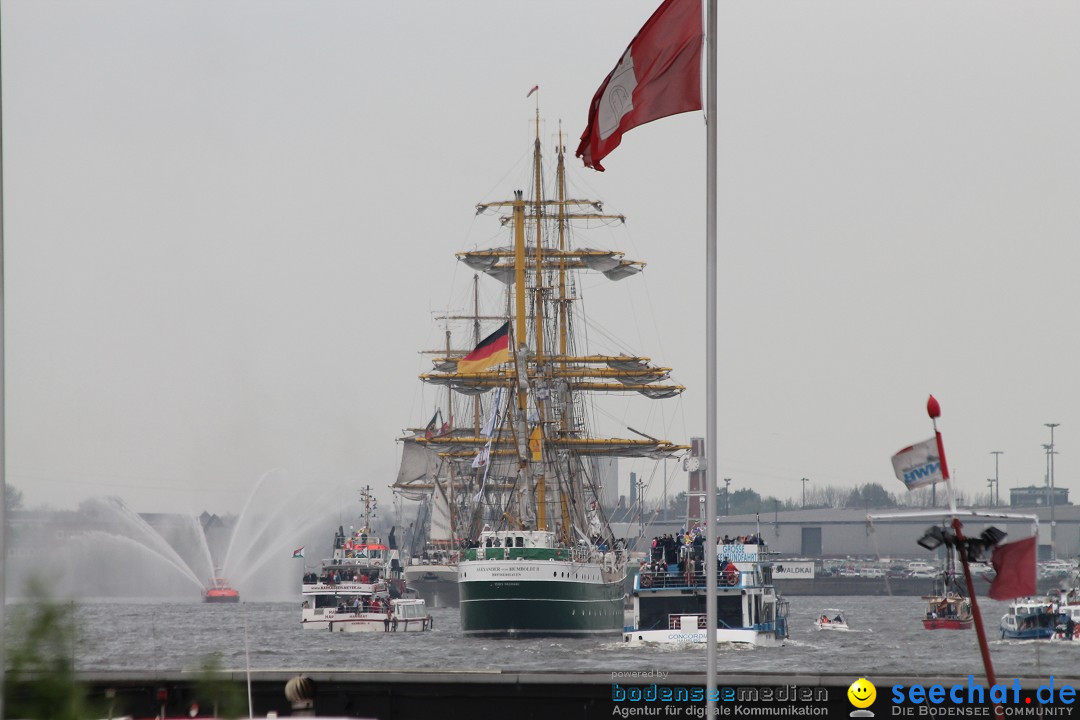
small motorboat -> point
(832, 619)
(219, 592)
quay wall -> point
(516, 695)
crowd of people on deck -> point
(686, 551)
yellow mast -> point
(520, 359)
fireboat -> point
(219, 592)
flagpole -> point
(933, 409)
(710, 356)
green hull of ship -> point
(541, 608)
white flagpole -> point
(710, 356)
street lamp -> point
(804, 481)
(990, 484)
(997, 478)
(727, 496)
(1050, 454)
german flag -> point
(491, 351)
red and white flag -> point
(658, 75)
(534, 89)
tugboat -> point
(219, 592)
(949, 607)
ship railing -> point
(679, 621)
(675, 621)
(668, 579)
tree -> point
(745, 502)
(871, 495)
(677, 505)
(13, 499)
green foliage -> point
(214, 691)
(677, 505)
(871, 495)
(41, 681)
(13, 498)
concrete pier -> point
(562, 696)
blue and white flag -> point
(918, 465)
(489, 427)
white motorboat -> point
(832, 619)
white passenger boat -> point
(362, 570)
(403, 615)
(669, 603)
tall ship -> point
(518, 466)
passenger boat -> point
(218, 591)
(434, 575)
(402, 615)
(668, 604)
(832, 619)
(362, 568)
(1066, 605)
(1029, 619)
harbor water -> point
(887, 637)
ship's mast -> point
(537, 456)
(520, 357)
(566, 407)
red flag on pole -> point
(658, 75)
(1014, 565)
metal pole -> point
(3, 412)
(997, 478)
(984, 648)
(1053, 500)
(804, 481)
(710, 358)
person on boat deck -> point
(356, 605)
(825, 619)
(364, 578)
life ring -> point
(646, 581)
(731, 578)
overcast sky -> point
(229, 227)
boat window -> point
(509, 541)
(520, 541)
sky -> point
(229, 228)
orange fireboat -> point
(220, 592)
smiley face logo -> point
(862, 693)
